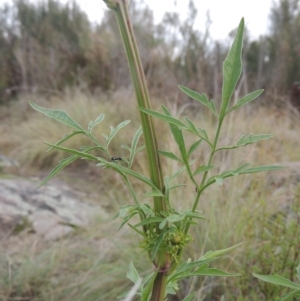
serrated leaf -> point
(261, 169)
(202, 168)
(193, 147)
(121, 169)
(114, 131)
(132, 274)
(65, 138)
(253, 138)
(278, 280)
(58, 115)
(200, 97)
(244, 100)
(232, 68)
(170, 155)
(62, 164)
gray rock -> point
(51, 211)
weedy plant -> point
(283, 282)
(164, 230)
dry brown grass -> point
(91, 264)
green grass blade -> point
(189, 297)
(288, 296)
(58, 115)
(232, 68)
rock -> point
(51, 211)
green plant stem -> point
(142, 95)
(200, 188)
(159, 287)
(162, 260)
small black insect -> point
(116, 159)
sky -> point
(225, 14)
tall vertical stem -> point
(162, 260)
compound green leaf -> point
(244, 100)
(62, 164)
(200, 97)
(253, 139)
(58, 115)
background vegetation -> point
(50, 53)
